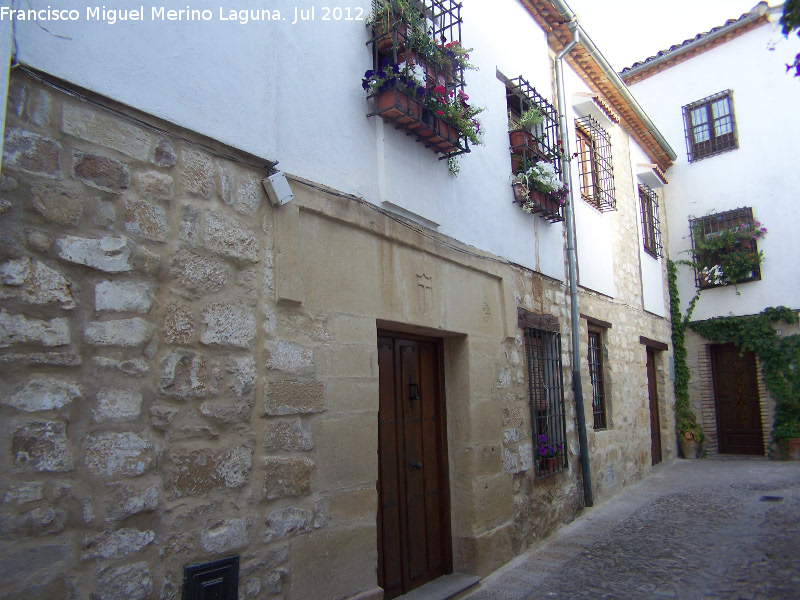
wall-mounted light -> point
(278, 189)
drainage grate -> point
(771, 498)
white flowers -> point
(714, 274)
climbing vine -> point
(779, 356)
(686, 420)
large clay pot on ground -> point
(688, 448)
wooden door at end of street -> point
(738, 406)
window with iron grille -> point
(736, 256)
(595, 359)
(595, 169)
(651, 229)
(546, 392)
(710, 126)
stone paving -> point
(720, 528)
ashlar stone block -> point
(198, 274)
(198, 173)
(146, 220)
(126, 333)
(197, 472)
(58, 204)
(117, 404)
(115, 544)
(184, 375)
(231, 325)
(225, 536)
(43, 393)
(100, 172)
(128, 582)
(179, 325)
(103, 129)
(111, 254)
(123, 296)
(17, 329)
(290, 521)
(155, 186)
(41, 446)
(286, 477)
(292, 396)
(288, 435)
(31, 153)
(290, 357)
(127, 500)
(110, 454)
(227, 237)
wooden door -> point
(736, 398)
(655, 421)
(413, 525)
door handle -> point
(413, 392)
(416, 466)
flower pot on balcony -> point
(519, 140)
(397, 106)
(385, 39)
(447, 136)
(548, 465)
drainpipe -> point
(577, 386)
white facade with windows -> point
(728, 112)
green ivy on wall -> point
(686, 420)
(779, 356)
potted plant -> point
(538, 189)
(520, 132)
(397, 93)
(690, 434)
(728, 256)
(548, 454)
(455, 116)
(390, 16)
(786, 438)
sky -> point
(627, 31)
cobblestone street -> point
(721, 528)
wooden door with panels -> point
(413, 511)
(738, 406)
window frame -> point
(718, 141)
(715, 223)
(651, 225)
(596, 364)
(546, 399)
(596, 180)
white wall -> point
(762, 173)
(292, 93)
(653, 293)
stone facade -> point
(191, 373)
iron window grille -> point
(595, 359)
(546, 393)
(595, 169)
(651, 228)
(542, 144)
(439, 22)
(711, 225)
(537, 144)
(710, 126)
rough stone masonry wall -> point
(135, 334)
(172, 392)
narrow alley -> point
(721, 528)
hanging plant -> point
(728, 256)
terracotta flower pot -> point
(385, 40)
(688, 448)
(548, 465)
(397, 106)
(520, 139)
(792, 446)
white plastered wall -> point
(292, 93)
(761, 173)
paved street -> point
(720, 528)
